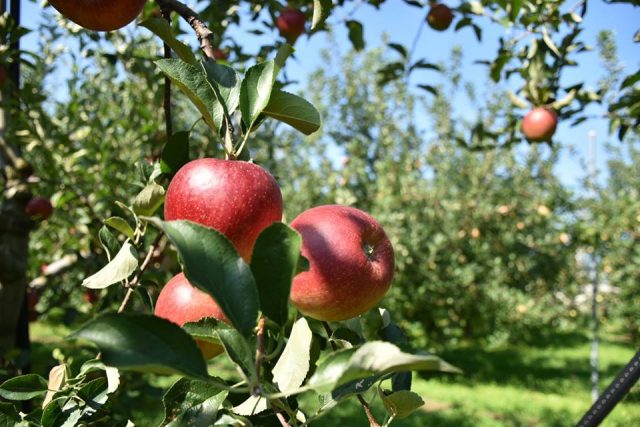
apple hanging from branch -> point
(181, 302)
(439, 17)
(290, 23)
(237, 198)
(99, 15)
(351, 263)
(539, 124)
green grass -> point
(510, 386)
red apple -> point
(219, 54)
(100, 15)
(539, 124)
(290, 23)
(3, 75)
(181, 302)
(91, 296)
(351, 263)
(439, 17)
(239, 199)
(39, 208)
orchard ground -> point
(543, 385)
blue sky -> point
(401, 22)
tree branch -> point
(166, 14)
(203, 32)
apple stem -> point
(204, 34)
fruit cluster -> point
(351, 259)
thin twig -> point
(166, 14)
(204, 34)
(367, 411)
(260, 347)
(136, 279)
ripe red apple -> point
(290, 23)
(539, 124)
(181, 302)
(351, 263)
(439, 17)
(39, 208)
(220, 54)
(91, 296)
(100, 15)
(239, 199)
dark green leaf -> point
(119, 268)
(24, 387)
(293, 110)
(238, 350)
(273, 264)
(61, 412)
(9, 416)
(175, 153)
(400, 49)
(255, 91)
(212, 264)
(432, 90)
(143, 342)
(225, 82)
(353, 387)
(192, 402)
(162, 29)
(191, 80)
(356, 35)
(401, 381)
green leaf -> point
(401, 404)
(161, 28)
(24, 387)
(94, 394)
(61, 412)
(353, 387)
(121, 225)
(293, 110)
(321, 10)
(373, 358)
(108, 242)
(205, 329)
(225, 82)
(149, 199)
(255, 91)
(548, 41)
(432, 90)
(191, 80)
(356, 34)
(400, 49)
(211, 263)
(238, 350)
(119, 268)
(192, 402)
(143, 342)
(274, 264)
(292, 366)
(175, 153)
(9, 416)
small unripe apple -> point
(439, 17)
(539, 124)
(290, 23)
(39, 208)
(239, 199)
(220, 54)
(351, 263)
(181, 302)
(100, 15)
